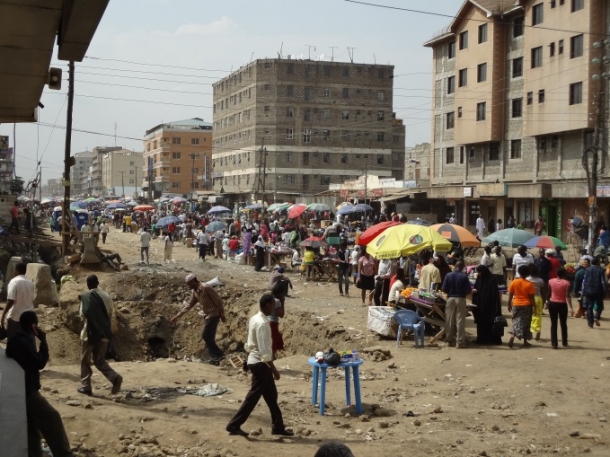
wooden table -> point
(328, 268)
(278, 257)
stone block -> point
(89, 252)
(10, 269)
(45, 289)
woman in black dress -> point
(486, 297)
(260, 254)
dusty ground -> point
(476, 401)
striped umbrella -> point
(545, 242)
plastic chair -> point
(410, 320)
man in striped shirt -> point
(213, 313)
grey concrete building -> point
(79, 172)
(319, 122)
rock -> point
(45, 289)
(590, 436)
(391, 366)
(257, 432)
(472, 391)
(602, 419)
(540, 403)
(374, 349)
(10, 269)
(384, 424)
(574, 433)
(483, 454)
(358, 431)
(417, 423)
(73, 403)
(437, 410)
(364, 419)
(495, 428)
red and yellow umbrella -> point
(457, 234)
(372, 232)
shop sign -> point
(388, 183)
(334, 187)
(467, 191)
(603, 191)
(360, 194)
(377, 192)
(409, 184)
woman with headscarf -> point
(486, 297)
(247, 238)
(260, 253)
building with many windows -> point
(79, 173)
(178, 158)
(516, 89)
(285, 127)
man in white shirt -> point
(19, 298)
(382, 282)
(264, 373)
(522, 257)
(498, 266)
(486, 257)
(480, 225)
(144, 244)
(430, 275)
(202, 243)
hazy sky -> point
(197, 42)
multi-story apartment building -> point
(178, 157)
(122, 172)
(95, 183)
(319, 123)
(79, 173)
(515, 105)
(7, 162)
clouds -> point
(221, 26)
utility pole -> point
(123, 182)
(193, 156)
(67, 162)
(310, 46)
(350, 52)
(149, 163)
(332, 55)
(261, 171)
(136, 168)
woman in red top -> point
(554, 261)
(367, 268)
(557, 303)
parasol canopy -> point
(511, 237)
(177, 200)
(418, 221)
(219, 209)
(77, 205)
(457, 234)
(296, 210)
(116, 206)
(278, 207)
(318, 207)
(144, 208)
(215, 226)
(255, 207)
(406, 239)
(343, 205)
(313, 242)
(165, 221)
(545, 242)
(372, 232)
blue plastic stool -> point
(321, 377)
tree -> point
(16, 186)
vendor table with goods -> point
(328, 268)
(280, 256)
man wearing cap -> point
(213, 312)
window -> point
(267, 109)
(459, 111)
(175, 185)
(345, 72)
(588, 139)
(464, 40)
(267, 87)
(289, 111)
(553, 4)
(326, 134)
(380, 136)
(518, 67)
(176, 155)
(494, 151)
(537, 14)
(308, 93)
(306, 158)
(307, 114)
(450, 120)
(343, 158)
(267, 64)
(345, 135)
(307, 136)
(517, 107)
(346, 92)
(554, 142)
(175, 169)
(326, 70)
(289, 157)
(324, 180)
(575, 93)
(552, 49)
(450, 84)
(542, 144)
(380, 95)
(578, 5)
(461, 154)
(541, 96)
(326, 157)
(515, 149)
(131, 163)
(131, 172)
(174, 141)
(471, 152)
(560, 47)
(290, 68)
(481, 72)
(530, 98)
(576, 46)
(289, 91)
(380, 73)
(326, 113)
(518, 26)
(307, 71)
(451, 50)
(482, 33)
(290, 179)
(537, 57)
(345, 115)
(380, 115)
(289, 134)
(481, 107)
(449, 155)
(326, 93)
(463, 77)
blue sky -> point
(220, 35)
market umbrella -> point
(296, 210)
(165, 221)
(457, 234)
(215, 226)
(362, 207)
(132, 203)
(343, 205)
(320, 207)
(144, 208)
(114, 201)
(278, 207)
(418, 221)
(179, 200)
(219, 209)
(255, 206)
(313, 242)
(92, 200)
(116, 206)
(406, 239)
(347, 209)
(58, 208)
(374, 231)
(511, 237)
(546, 242)
(78, 205)
(44, 201)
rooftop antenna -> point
(374, 59)
(115, 134)
(332, 51)
(350, 52)
(310, 46)
(251, 56)
(279, 54)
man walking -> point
(539, 226)
(144, 244)
(202, 243)
(15, 217)
(42, 418)
(480, 225)
(264, 373)
(213, 313)
(97, 312)
(594, 290)
(19, 299)
(456, 285)
(104, 230)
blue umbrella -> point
(219, 209)
(215, 226)
(115, 206)
(362, 207)
(255, 206)
(347, 209)
(78, 205)
(165, 221)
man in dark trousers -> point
(213, 312)
(97, 311)
(594, 290)
(264, 373)
(456, 285)
(42, 418)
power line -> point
(155, 64)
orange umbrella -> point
(296, 210)
(457, 234)
(144, 208)
(372, 232)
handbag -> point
(500, 321)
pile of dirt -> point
(145, 302)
